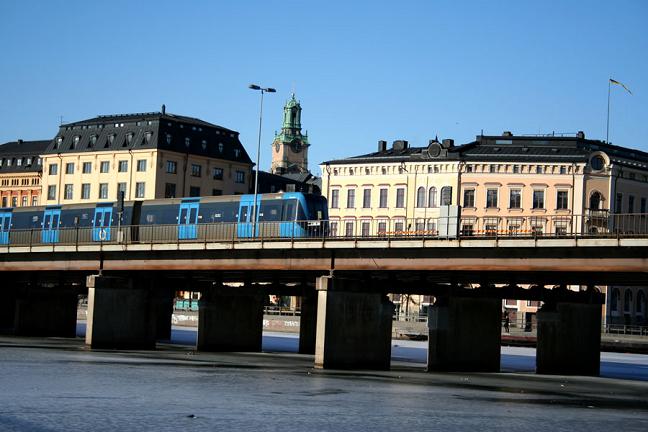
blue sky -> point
(363, 71)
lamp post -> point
(256, 175)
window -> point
(67, 192)
(516, 169)
(563, 169)
(194, 191)
(597, 163)
(446, 195)
(595, 201)
(562, 200)
(627, 301)
(383, 198)
(51, 192)
(171, 167)
(34, 201)
(69, 168)
(220, 147)
(491, 168)
(631, 200)
(420, 197)
(121, 187)
(122, 166)
(365, 229)
(538, 169)
(432, 193)
(14, 201)
(538, 199)
(400, 198)
(104, 167)
(217, 192)
(53, 168)
(334, 228)
(85, 191)
(140, 189)
(240, 177)
(366, 198)
(25, 201)
(86, 167)
(491, 198)
(619, 202)
(614, 300)
(187, 141)
(382, 228)
(196, 170)
(169, 190)
(335, 197)
(469, 198)
(351, 198)
(141, 165)
(515, 199)
(103, 190)
(217, 173)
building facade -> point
(146, 156)
(290, 146)
(20, 173)
(504, 185)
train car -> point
(167, 220)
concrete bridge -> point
(346, 316)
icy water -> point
(58, 385)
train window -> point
(150, 218)
(270, 211)
(289, 208)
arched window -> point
(627, 301)
(446, 195)
(420, 197)
(641, 303)
(614, 300)
(595, 201)
(432, 197)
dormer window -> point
(19, 162)
(147, 137)
(58, 142)
(204, 144)
(220, 147)
(29, 161)
(187, 142)
(168, 138)
(129, 139)
(93, 141)
(237, 153)
(110, 140)
(75, 141)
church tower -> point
(290, 146)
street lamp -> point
(256, 176)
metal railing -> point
(465, 227)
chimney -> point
(382, 146)
(580, 134)
(20, 141)
(163, 109)
(448, 143)
(400, 145)
(507, 134)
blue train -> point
(289, 214)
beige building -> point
(146, 156)
(505, 185)
(20, 173)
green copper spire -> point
(292, 115)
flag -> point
(621, 84)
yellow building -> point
(505, 185)
(147, 156)
(20, 173)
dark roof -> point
(159, 130)
(16, 151)
(555, 149)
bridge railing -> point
(464, 227)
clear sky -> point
(363, 71)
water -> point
(58, 385)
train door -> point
(101, 223)
(288, 217)
(246, 225)
(188, 219)
(51, 220)
(5, 225)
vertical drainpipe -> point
(130, 180)
(184, 175)
(573, 209)
(60, 176)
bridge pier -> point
(353, 327)
(464, 334)
(308, 323)
(230, 319)
(163, 297)
(569, 339)
(121, 313)
(44, 311)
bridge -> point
(343, 282)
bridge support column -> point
(163, 297)
(8, 312)
(43, 311)
(464, 334)
(353, 328)
(230, 319)
(569, 339)
(308, 323)
(121, 314)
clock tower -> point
(290, 146)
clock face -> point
(296, 146)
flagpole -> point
(607, 133)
